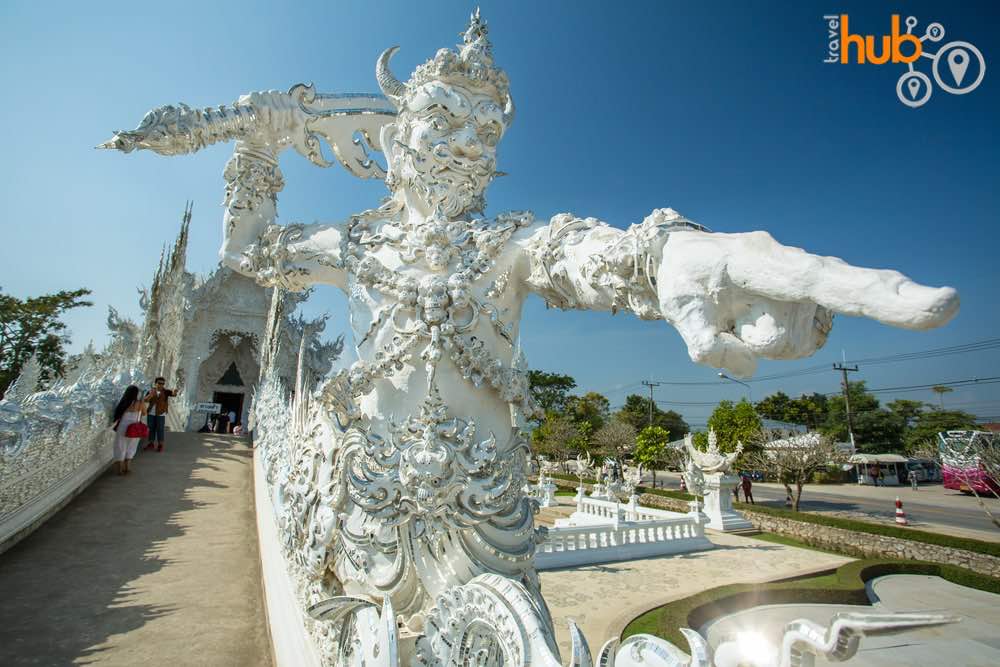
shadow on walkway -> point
(156, 568)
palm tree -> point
(941, 391)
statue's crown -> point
(471, 66)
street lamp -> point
(749, 390)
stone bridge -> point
(160, 567)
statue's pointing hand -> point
(736, 297)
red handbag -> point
(136, 430)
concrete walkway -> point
(157, 568)
(603, 599)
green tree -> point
(941, 391)
(591, 408)
(615, 439)
(795, 463)
(555, 438)
(651, 449)
(876, 430)
(835, 426)
(808, 410)
(636, 412)
(776, 406)
(582, 442)
(735, 423)
(550, 390)
(922, 434)
(905, 410)
(33, 326)
(879, 432)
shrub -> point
(666, 493)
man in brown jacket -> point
(156, 416)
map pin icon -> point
(914, 87)
(958, 62)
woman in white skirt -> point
(130, 410)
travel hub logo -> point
(962, 63)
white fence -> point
(613, 532)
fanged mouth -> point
(445, 161)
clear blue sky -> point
(723, 111)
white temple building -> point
(204, 335)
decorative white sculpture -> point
(56, 440)
(582, 468)
(407, 484)
(708, 475)
(712, 460)
(632, 478)
(198, 327)
(545, 490)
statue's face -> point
(450, 136)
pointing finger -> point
(755, 262)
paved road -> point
(931, 508)
(918, 510)
(157, 568)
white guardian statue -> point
(410, 496)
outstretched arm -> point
(264, 124)
(732, 297)
(290, 256)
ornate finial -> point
(477, 28)
(713, 441)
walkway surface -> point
(972, 642)
(156, 568)
(603, 599)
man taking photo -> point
(156, 416)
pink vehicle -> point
(961, 467)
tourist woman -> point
(128, 428)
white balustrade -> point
(602, 531)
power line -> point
(621, 388)
(953, 383)
(662, 402)
(964, 348)
(978, 346)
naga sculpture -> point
(410, 484)
(712, 460)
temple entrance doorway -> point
(229, 402)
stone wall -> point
(664, 503)
(867, 545)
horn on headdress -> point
(390, 85)
(508, 111)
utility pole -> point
(847, 399)
(651, 385)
